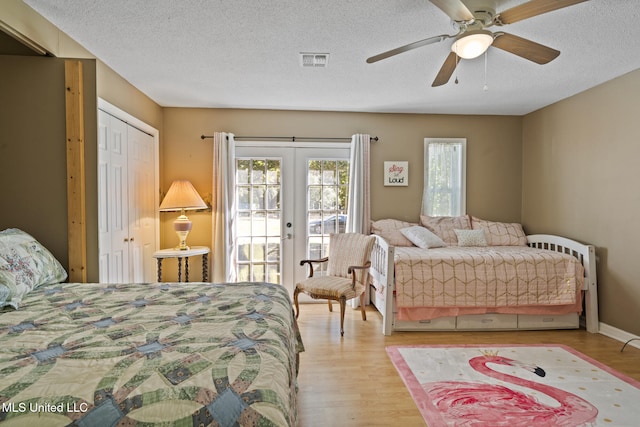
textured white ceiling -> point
(245, 54)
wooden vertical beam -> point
(76, 214)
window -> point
(444, 177)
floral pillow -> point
(500, 233)
(389, 229)
(24, 265)
(444, 226)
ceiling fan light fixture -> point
(472, 44)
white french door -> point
(288, 200)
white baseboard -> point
(619, 334)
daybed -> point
(141, 354)
(473, 274)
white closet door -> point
(115, 204)
(104, 226)
(127, 220)
(141, 204)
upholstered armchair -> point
(347, 271)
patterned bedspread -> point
(492, 276)
(179, 354)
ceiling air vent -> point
(314, 60)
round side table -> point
(183, 254)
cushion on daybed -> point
(24, 265)
(422, 237)
(500, 233)
(444, 226)
(471, 237)
(389, 229)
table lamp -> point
(182, 197)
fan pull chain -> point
(485, 87)
(457, 63)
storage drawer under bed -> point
(487, 321)
(551, 321)
(439, 324)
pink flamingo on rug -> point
(464, 403)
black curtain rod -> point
(288, 138)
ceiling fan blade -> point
(446, 70)
(524, 48)
(406, 48)
(455, 9)
(532, 8)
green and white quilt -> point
(176, 354)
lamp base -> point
(182, 225)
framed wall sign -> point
(396, 173)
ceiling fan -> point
(473, 38)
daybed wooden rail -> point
(382, 274)
(587, 256)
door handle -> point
(287, 236)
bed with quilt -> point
(466, 273)
(140, 354)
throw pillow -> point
(500, 233)
(422, 238)
(443, 226)
(389, 229)
(24, 265)
(471, 237)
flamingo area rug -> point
(515, 385)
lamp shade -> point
(182, 195)
(472, 44)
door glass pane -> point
(258, 225)
(327, 192)
(242, 171)
(258, 172)
(273, 197)
(343, 180)
(273, 172)
(314, 172)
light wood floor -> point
(350, 381)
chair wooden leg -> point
(330, 305)
(343, 303)
(295, 301)
(364, 313)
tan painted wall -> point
(34, 110)
(117, 91)
(32, 150)
(580, 179)
(493, 155)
